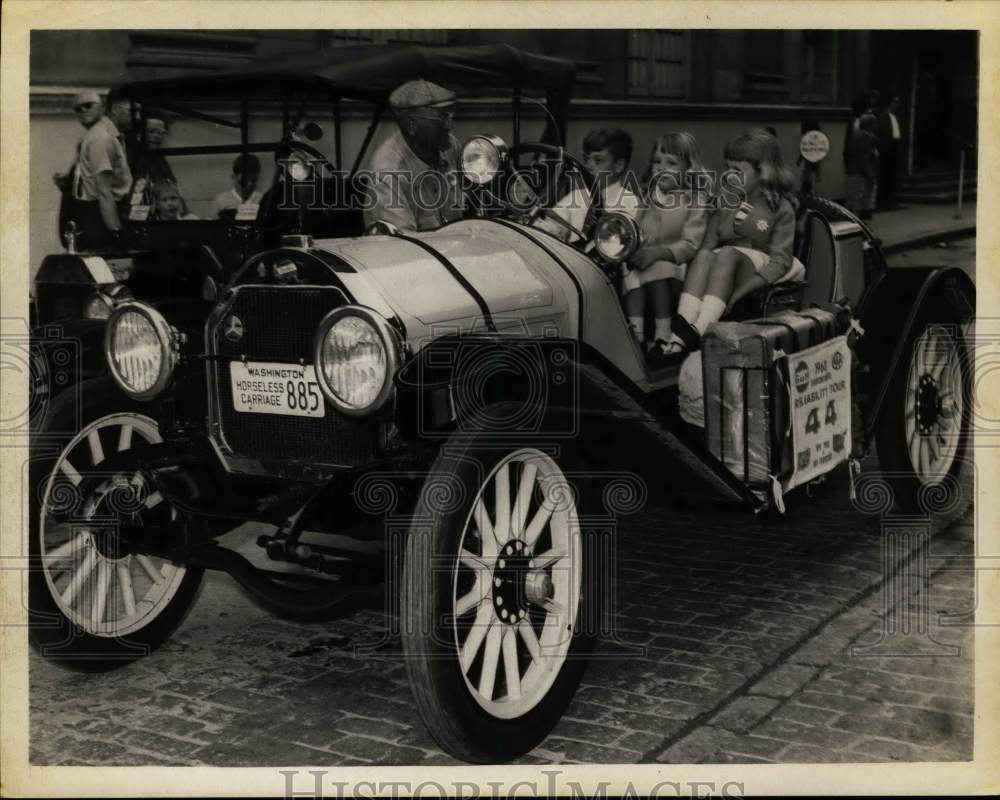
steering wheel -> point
(549, 166)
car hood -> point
(466, 275)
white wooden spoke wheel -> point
(499, 596)
(99, 585)
(935, 404)
(516, 584)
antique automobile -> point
(450, 400)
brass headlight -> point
(356, 356)
(483, 158)
(616, 237)
(141, 349)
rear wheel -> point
(96, 603)
(925, 427)
(495, 601)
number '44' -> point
(812, 421)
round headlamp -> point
(356, 357)
(616, 237)
(298, 166)
(141, 349)
(483, 158)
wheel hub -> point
(516, 583)
(928, 405)
(108, 502)
(108, 543)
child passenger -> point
(606, 155)
(167, 202)
(672, 225)
(748, 244)
(246, 174)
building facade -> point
(714, 83)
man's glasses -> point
(437, 114)
(84, 106)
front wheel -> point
(96, 604)
(495, 606)
(925, 427)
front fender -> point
(895, 306)
(554, 390)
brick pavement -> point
(746, 626)
(837, 699)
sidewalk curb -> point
(929, 238)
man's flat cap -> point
(420, 94)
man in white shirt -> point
(102, 177)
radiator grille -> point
(278, 324)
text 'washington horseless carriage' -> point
(484, 375)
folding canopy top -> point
(366, 72)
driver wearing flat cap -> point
(415, 174)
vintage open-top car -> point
(475, 381)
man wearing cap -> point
(88, 109)
(103, 177)
(414, 174)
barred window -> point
(657, 63)
(765, 77)
(818, 66)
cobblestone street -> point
(734, 644)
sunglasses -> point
(84, 106)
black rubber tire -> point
(51, 632)
(909, 493)
(454, 718)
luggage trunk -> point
(748, 409)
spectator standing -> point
(88, 109)
(862, 105)
(151, 166)
(103, 177)
(863, 168)
(890, 137)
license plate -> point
(265, 387)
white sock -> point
(637, 324)
(689, 306)
(712, 309)
(662, 329)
